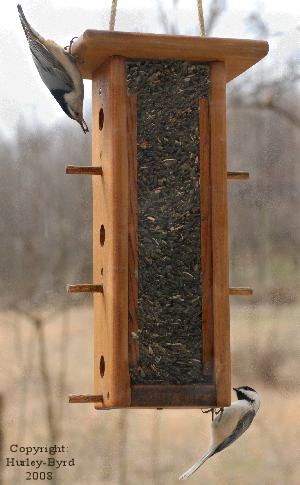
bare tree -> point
(1, 438)
(214, 12)
(170, 27)
(46, 241)
(212, 15)
(263, 112)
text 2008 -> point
(39, 476)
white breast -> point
(223, 426)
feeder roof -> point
(95, 46)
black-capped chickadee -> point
(229, 424)
(58, 69)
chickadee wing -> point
(241, 427)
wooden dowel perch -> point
(240, 291)
(238, 175)
(74, 398)
(71, 169)
(85, 288)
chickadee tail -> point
(196, 466)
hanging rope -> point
(113, 12)
(201, 18)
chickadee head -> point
(249, 394)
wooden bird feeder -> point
(160, 238)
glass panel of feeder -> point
(169, 262)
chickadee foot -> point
(212, 411)
(221, 410)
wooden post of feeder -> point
(133, 348)
(110, 229)
(214, 234)
(219, 224)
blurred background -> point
(46, 334)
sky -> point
(21, 87)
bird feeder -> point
(160, 218)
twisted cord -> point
(113, 12)
(201, 18)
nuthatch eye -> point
(58, 69)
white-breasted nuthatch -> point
(229, 424)
(58, 69)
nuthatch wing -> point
(58, 69)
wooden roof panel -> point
(93, 47)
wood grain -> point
(85, 398)
(133, 346)
(206, 238)
(173, 396)
(220, 252)
(161, 396)
(238, 175)
(85, 288)
(85, 170)
(240, 291)
(95, 46)
(110, 216)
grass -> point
(148, 446)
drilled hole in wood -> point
(108, 396)
(102, 235)
(101, 119)
(102, 367)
